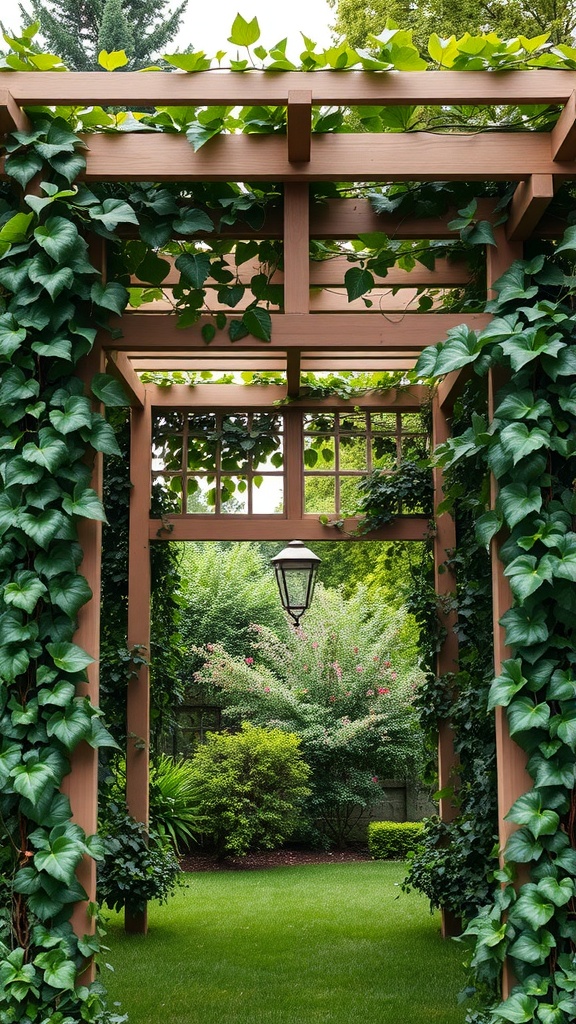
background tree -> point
(508, 18)
(77, 30)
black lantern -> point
(296, 568)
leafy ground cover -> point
(331, 943)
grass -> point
(319, 944)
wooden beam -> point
(12, 118)
(452, 387)
(529, 203)
(563, 134)
(120, 367)
(143, 156)
(264, 396)
(251, 362)
(293, 370)
(340, 333)
(299, 125)
(327, 87)
(237, 528)
(330, 300)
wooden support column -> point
(447, 657)
(299, 125)
(138, 707)
(529, 203)
(81, 785)
(563, 134)
(513, 778)
(12, 117)
(296, 266)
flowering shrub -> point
(344, 684)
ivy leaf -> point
(528, 810)
(112, 61)
(23, 166)
(524, 714)
(60, 695)
(564, 566)
(108, 390)
(243, 32)
(564, 726)
(518, 1008)
(25, 591)
(522, 848)
(75, 414)
(43, 527)
(486, 527)
(533, 906)
(112, 296)
(533, 343)
(518, 500)
(53, 278)
(507, 684)
(258, 323)
(357, 282)
(521, 405)
(69, 657)
(10, 756)
(112, 213)
(192, 221)
(521, 442)
(194, 267)
(50, 452)
(69, 592)
(70, 724)
(57, 236)
(11, 335)
(461, 348)
(532, 948)
(85, 503)
(63, 557)
(102, 436)
(59, 971)
(559, 893)
(527, 574)
(30, 780)
(61, 858)
(525, 626)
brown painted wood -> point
(378, 364)
(329, 300)
(327, 87)
(529, 203)
(452, 387)
(296, 266)
(238, 396)
(157, 332)
(299, 125)
(417, 156)
(139, 586)
(11, 115)
(119, 366)
(293, 477)
(240, 528)
(563, 134)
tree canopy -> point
(78, 30)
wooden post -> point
(447, 657)
(138, 706)
(296, 266)
(512, 777)
(81, 785)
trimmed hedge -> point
(392, 840)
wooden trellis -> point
(308, 333)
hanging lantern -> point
(296, 568)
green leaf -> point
(560, 892)
(50, 452)
(532, 344)
(10, 756)
(60, 695)
(518, 1008)
(57, 236)
(25, 591)
(42, 527)
(563, 566)
(525, 626)
(357, 282)
(518, 501)
(53, 278)
(69, 592)
(521, 405)
(59, 972)
(75, 414)
(112, 213)
(258, 323)
(70, 724)
(85, 503)
(108, 390)
(102, 436)
(524, 714)
(533, 906)
(568, 241)
(23, 165)
(527, 574)
(112, 61)
(243, 32)
(69, 657)
(507, 684)
(532, 948)
(60, 860)
(30, 780)
(192, 221)
(112, 296)
(528, 810)
(522, 848)
(521, 442)
(194, 267)
(564, 726)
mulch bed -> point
(271, 859)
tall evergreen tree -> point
(77, 30)
(357, 19)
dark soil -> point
(271, 859)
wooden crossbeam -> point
(563, 134)
(529, 203)
(327, 87)
(238, 396)
(299, 125)
(12, 117)
(406, 156)
(119, 366)
(338, 333)
(281, 529)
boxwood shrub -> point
(392, 840)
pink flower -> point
(355, 649)
(383, 689)
(375, 658)
(374, 778)
(386, 664)
(332, 698)
(359, 668)
(249, 661)
(266, 689)
(209, 647)
(394, 675)
(369, 693)
(315, 645)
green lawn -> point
(333, 944)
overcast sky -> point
(207, 25)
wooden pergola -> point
(312, 331)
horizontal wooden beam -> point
(417, 156)
(235, 528)
(119, 366)
(12, 117)
(563, 135)
(529, 203)
(325, 300)
(340, 333)
(239, 396)
(341, 88)
(315, 364)
(299, 125)
(452, 387)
